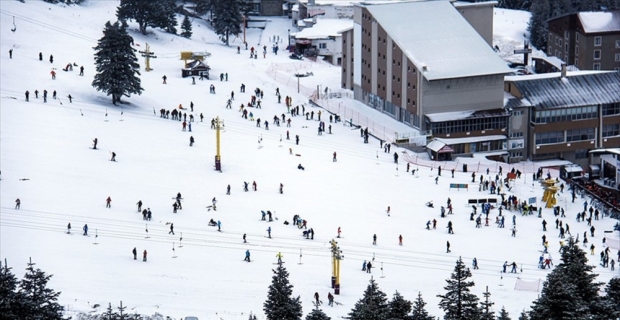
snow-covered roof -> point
(527, 77)
(577, 89)
(435, 145)
(351, 2)
(438, 40)
(474, 4)
(553, 60)
(295, 8)
(594, 22)
(470, 114)
(325, 28)
(453, 141)
(608, 150)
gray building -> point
(425, 65)
(562, 115)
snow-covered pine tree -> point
(109, 313)
(558, 299)
(117, 64)
(10, 299)
(575, 268)
(168, 16)
(503, 314)
(317, 313)
(186, 27)
(372, 306)
(458, 302)
(40, 302)
(537, 27)
(203, 6)
(524, 316)
(485, 306)
(400, 308)
(280, 304)
(419, 311)
(613, 293)
(227, 19)
(252, 316)
(148, 13)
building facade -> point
(563, 115)
(588, 40)
(425, 65)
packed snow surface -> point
(46, 162)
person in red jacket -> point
(144, 256)
(107, 202)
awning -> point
(439, 147)
(454, 141)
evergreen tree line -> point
(570, 292)
(543, 10)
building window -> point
(576, 62)
(566, 47)
(566, 34)
(581, 154)
(516, 113)
(565, 115)
(617, 57)
(576, 37)
(579, 134)
(598, 41)
(516, 135)
(576, 51)
(560, 43)
(617, 44)
(322, 45)
(516, 154)
(597, 54)
(550, 137)
(611, 130)
(596, 66)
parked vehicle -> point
(296, 56)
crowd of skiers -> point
(69, 67)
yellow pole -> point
(218, 164)
(148, 61)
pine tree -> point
(203, 6)
(372, 306)
(11, 300)
(419, 312)
(613, 294)
(40, 301)
(537, 27)
(117, 64)
(252, 316)
(227, 19)
(186, 27)
(485, 306)
(458, 302)
(317, 314)
(400, 308)
(110, 314)
(503, 314)
(558, 300)
(524, 316)
(148, 13)
(280, 304)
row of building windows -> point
(611, 109)
(565, 136)
(611, 130)
(468, 125)
(516, 135)
(560, 115)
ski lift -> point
(14, 25)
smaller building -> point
(589, 40)
(195, 68)
(321, 37)
(550, 64)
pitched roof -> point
(438, 40)
(595, 22)
(577, 89)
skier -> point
(144, 255)
(107, 202)
(254, 185)
(269, 232)
(113, 156)
(475, 263)
(514, 267)
(139, 205)
(191, 141)
(400, 240)
(330, 298)
(17, 204)
(70, 98)
(364, 266)
(368, 267)
(448, 247)
(82, 70)
(244, 241)
(213, 201)
(279, 256)
(171, 229)
(374, 239)
(27, 95)
(281, 188)
(228, 190)
(51, 58)
(247, 256)
(544, 224)
(10, 53)
(164, 78)
(69, 228)
(135, 253)
(219, 226)
(338, 232)
(396, 157)
(316, 297)
(334, 159)
(85, 228)
(40, 56)
(388, 211)
(95, 144)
